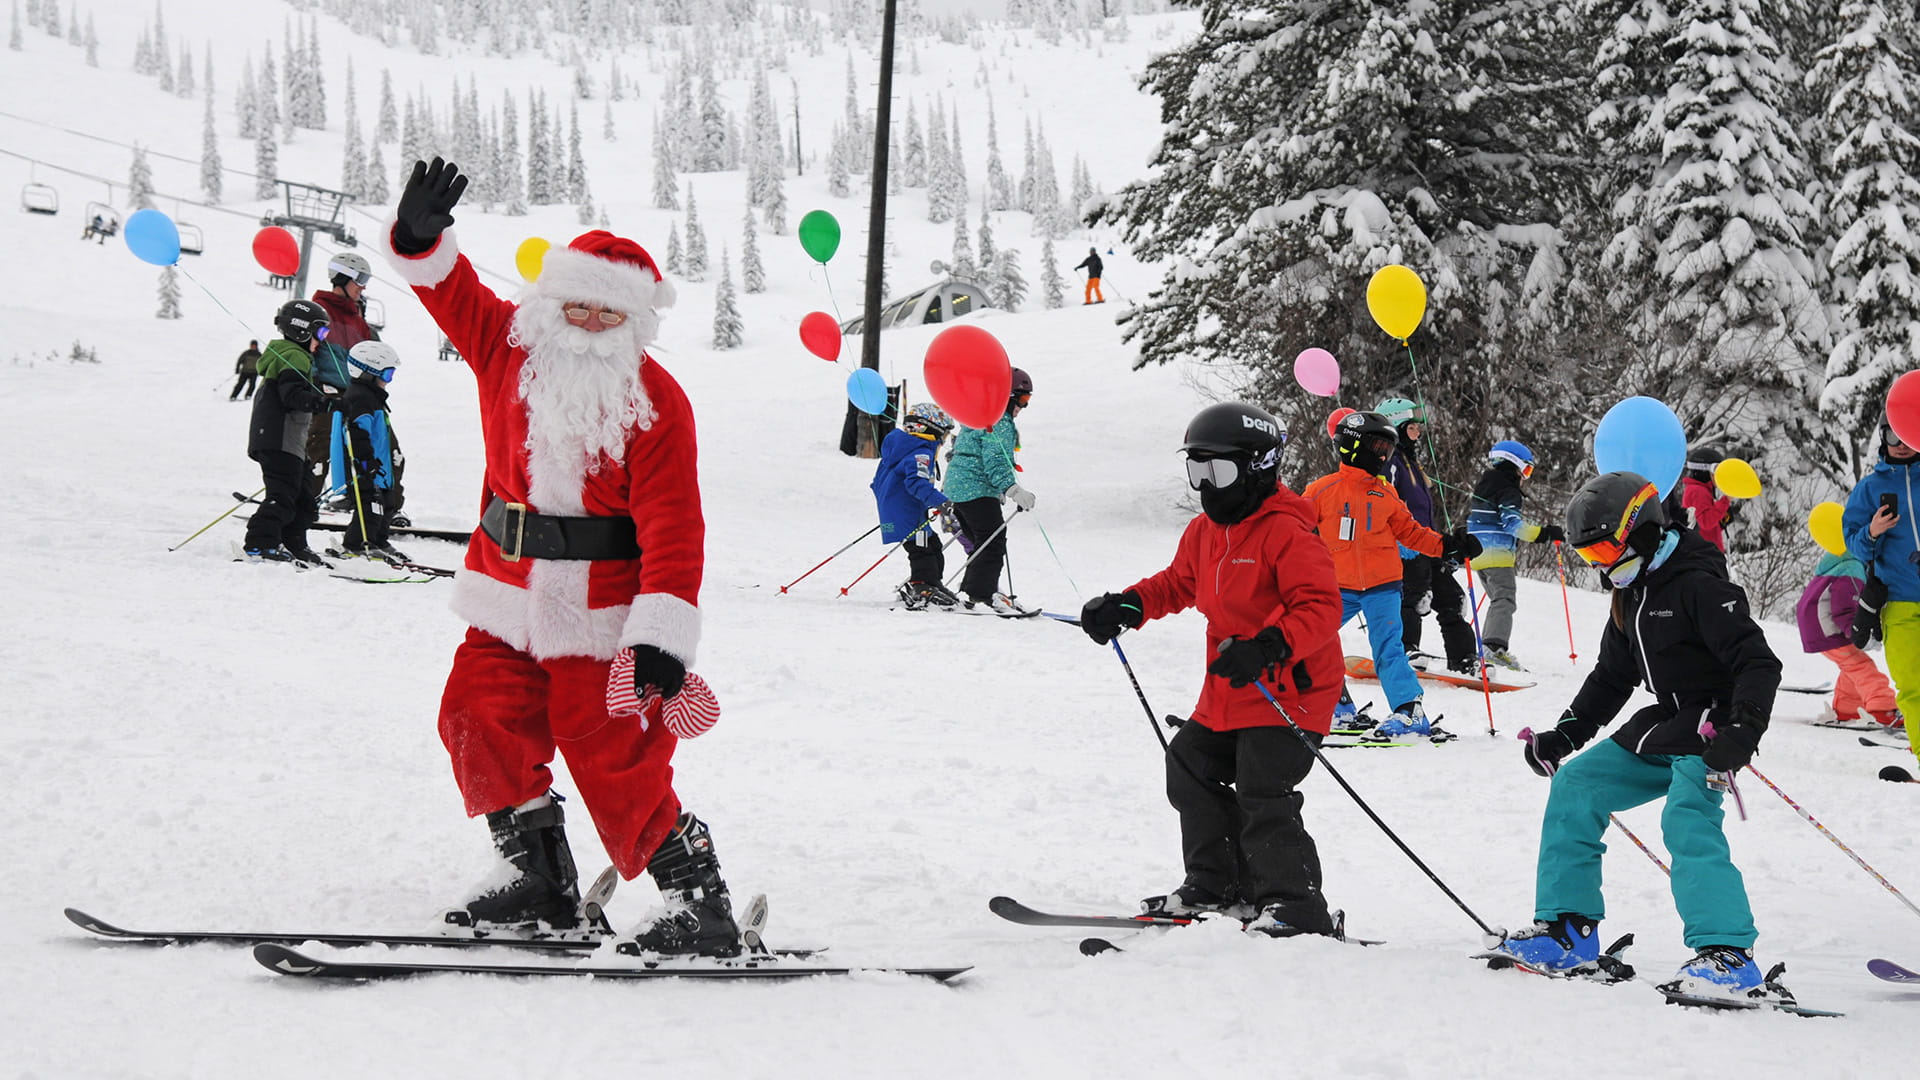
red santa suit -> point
(532, 675)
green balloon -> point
(819, 235)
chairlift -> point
(375, 313)
(101, 221)
(39, 199)
(191, 241)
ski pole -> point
(217, 520)
(885, 557)
(1491, 933)
(983, 545)
(1527, 736)
(1480, 650)
(1560, 561)
(353, 481)
(1142, 695)
(1836, 840)
(828, 559)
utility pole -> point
(864, 429)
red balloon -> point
(277, 250)
(968, 374)
(821, 335)
(1903, 408)
(1334, 418)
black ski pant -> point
(286, 509)
(981, 518)
(1240, 823)
(247, 380)
(1419, 576)
(926, 563)
(320, 454)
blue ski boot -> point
(1569, 945)
(1719, 971)
(1408, 719)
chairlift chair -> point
(191, 240)
(109, 219)
(375, 313)
(39, 199)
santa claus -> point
(589, 551)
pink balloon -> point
(1318, 372)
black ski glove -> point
(426, 206)
(1106, 615)
(1547, 749)
(659, 669)
(1459, 544)
(1866, 612)
(1551, 534)
(1734, 741)
(1242, 661)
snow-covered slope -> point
(195, 741)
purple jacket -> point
(1412, 484)
(1825, 610)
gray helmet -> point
(350, 266)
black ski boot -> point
(699, 916)
(545, 892)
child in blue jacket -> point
(907, 486)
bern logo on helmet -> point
(1258, 424)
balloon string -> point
(1433, 456)
(831, 299)
(210, 296)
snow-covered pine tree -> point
(183, 81)
(956, 171)
(161, 54)
(73, 26)
(162, 63)
(616, 91)
(140, 180)
(353, 162)
(292, 100)
(266, 96)
(206, 69)
(266, 163)
(387, 128)
(93, 44)
(696, 240)
(15, 39)
(666, 185)
(1053, 289)
(676, 256)
(1048, 220)
(513, 191)
(711, 147)
(582, 84)
(775, 205)
(607, 134)
(169, 294)
(999, 187)
(316, 78)
(540, 163)
(210, 171)
(986, 232)
(962, 264)
(837, 181)
(377, 189)
(576, 165)
(913, 163)
(1874, 211)
(245, 112)
(939, 185)
(683, 121)
(753, 275)
(1082, 190)
(728, 330)
(142, 53)
(1005, 278)
(584, 213)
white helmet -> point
(348, 264)
(374, 357)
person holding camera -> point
(1880, 534)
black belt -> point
(522, 535)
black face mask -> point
(1237, 501)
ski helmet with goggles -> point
(1365, 440)
(298, 320)
(926, 418)
(1022, 387)
(1701, 462)
(348, 265)
(1613, 516)
(375, 358)
(1514, 453)
(1226, 439)
(1399, 410)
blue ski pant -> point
(1381, 607)
(1708, 890)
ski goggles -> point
(1887, 436)
(579, 315)
(1222, 472)
(359, 277)
(320, 332)
(1607, 551)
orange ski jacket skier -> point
(1363, 523)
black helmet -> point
(1233, 427)
(298, 319)
(1609, 510)
(1365, 440)
(1700, 463)
(1022, 383)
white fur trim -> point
(567, 274)
(548, 620)
(422, 271)
(665, 622)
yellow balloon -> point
(530, 256)
(1823, 521)
(1737, 479)
(1398, 300)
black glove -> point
(1243, 660)
(1866, 611)
(1734, 741)
(659, 669)
(426, 206)
(1547, 749)
(1459, 544)
(1551, 534)
(1106, 615)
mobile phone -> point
(1890, 503)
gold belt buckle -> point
(516, 532)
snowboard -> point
(1361, 667)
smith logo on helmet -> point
(1258, 424)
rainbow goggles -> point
(1611, 548)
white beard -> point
(582, 390)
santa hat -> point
(604, 269)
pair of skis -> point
(1014, 911)
(1611, 969)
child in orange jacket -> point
(1363, 523)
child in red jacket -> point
(1251, 564)
(1363, 523)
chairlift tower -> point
(312, 209)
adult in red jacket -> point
(1265, 582)
(589, 550)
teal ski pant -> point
(1707, 888)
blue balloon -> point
(152, 237)
(1641, 435)
(868, 391)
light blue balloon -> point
(868, 391)
(1641, 435)
(152, 237)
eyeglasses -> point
(320, 332)
(580, 315)
(1216, 472)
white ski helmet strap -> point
(374, 356)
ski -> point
(1360, 667)
(285, 961)
(1892, 972)
(397, 564)
(1809, 689)
(385, 580)
(1864, 741)
(1609, 968)
(1675, 997)
(1897, 775)
(109, 931)
(1014, 911)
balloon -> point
(968, 374)
(1737, 479)
(1641, 435)
(1317, 372)
(1903, 408)
(1334, 418)
(152, 237)
(821, 335)
(1398, 300)
(819, 235)
(1823, 522)
(530, 256)
(275, 249)
(868, 391)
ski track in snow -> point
(199, 743)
